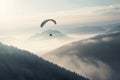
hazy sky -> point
(17, 13)
(20, 19)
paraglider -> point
(47, 20)
(50, 34)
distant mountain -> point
(16, 64)
(46, 35)
(114, 29)
(110, 26)
(98, 58)
(84, 30)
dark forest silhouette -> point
(16, 64)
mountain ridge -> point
(100, 52)
(16, 64)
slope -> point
(97, 58)
(16, 64)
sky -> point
(27, 13)
(20, 19)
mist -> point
(93, 69)
(41, 46)
(96, 57)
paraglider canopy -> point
(47, 20)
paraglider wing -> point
(44, 22)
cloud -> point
(97, 57)
(94, 71)
(89, 41)
(107, 39)
(88, 15)
(109, 10)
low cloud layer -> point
(94, 71)
(97, 57)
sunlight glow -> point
(6, 8)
